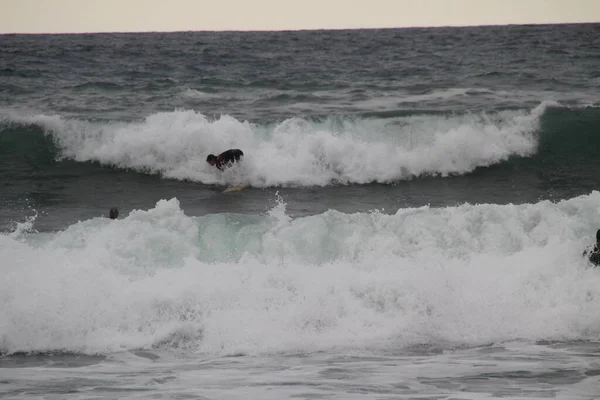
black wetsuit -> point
(228, 157)
(593, 254)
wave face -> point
(231, 284)
(295, 152)
(300, 152)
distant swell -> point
(298, 152)
(21, 73)
(98, 85)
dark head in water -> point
(113, 213)
(211, 159)
(598, 236)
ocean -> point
(418, 205)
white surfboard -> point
(235, 188)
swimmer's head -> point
(211, 159)
(113, 213)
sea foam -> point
(299, 152)
(231, 284)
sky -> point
(76, 16)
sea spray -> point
(298, 152)
(465, 275)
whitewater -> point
(297, 152)
(265, 284)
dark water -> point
(63, 97)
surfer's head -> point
(598, 236)
(211, 159)
(113, 213)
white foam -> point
(391, 102)
(472, 274)
(298, 152)
(195, 94)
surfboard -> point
(235, 188)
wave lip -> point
(299, 152)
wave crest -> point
(236, 284)
(299, 152)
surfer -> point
(593, 252)
(113, 213)
(225, 159)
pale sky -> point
(56, 16)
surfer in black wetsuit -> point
(593, 252)
(225, 159)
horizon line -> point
(302, 29)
